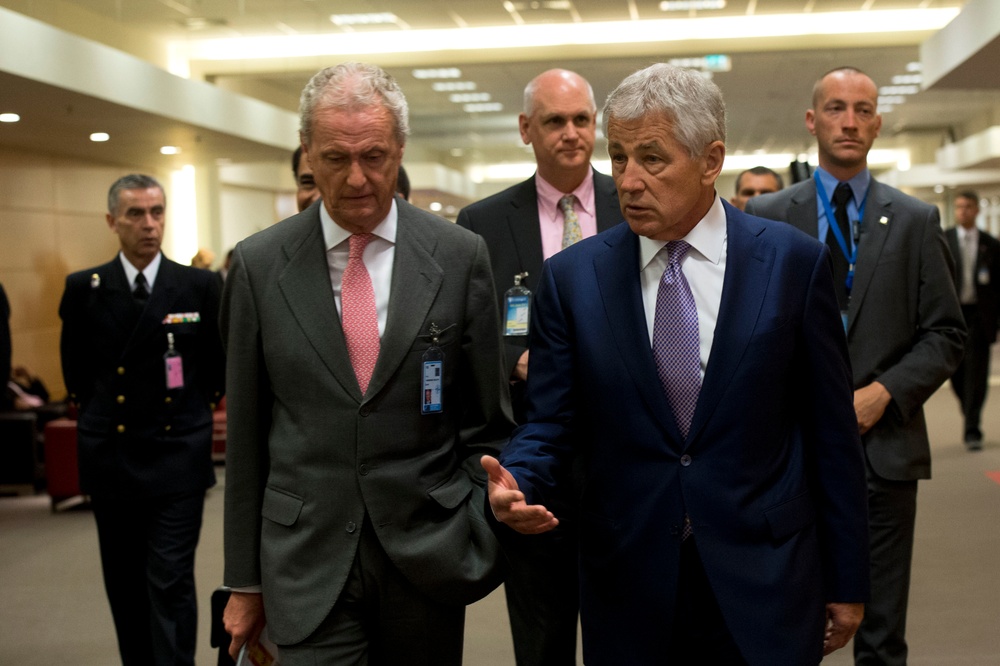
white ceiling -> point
(767, 89)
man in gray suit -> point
(523, 226)
(364, 357)
(903, 321)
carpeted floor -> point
(54, 610)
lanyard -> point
(850, 255)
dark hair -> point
(403, 183)
(971, 195)
(133, 181)
(760, 171)
(296, 157)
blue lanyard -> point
(852, 254)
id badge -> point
(174, 365)
(433, 367)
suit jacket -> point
(986, 275)
(137, 437)
(905, 327)
(5, 348)
(771, 473)
(508, 222)
(310, 460)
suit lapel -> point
(115, 293)
(803, 212)
(606, 206)
(874, 231)
(161, 297)
(749, 262)
(525, 230)
(617, 271)
(416, 279)
(305, 284)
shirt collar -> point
(708, 237)
(149, 272)
(859, 184)
(334, 234)
(549, 196)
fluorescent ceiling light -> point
(169, 150)
(464, 98)
(594, 33)
(907, 79)
(99, 137)
(9, 117)
(899, 90)
(382, 18)
(688, 5)
(442, 73)
(483, 108)
(453, 86)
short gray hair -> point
(352, 86)
(692, 103)
(133, 181)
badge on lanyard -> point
(174, 365)
(517, 307)
(432, 363)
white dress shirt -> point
(149, 272)
(378, 258)
(704, 268)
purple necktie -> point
(676, 345)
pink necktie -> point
(358, 313)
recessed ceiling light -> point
(435, 206)
(169, 150)
(100, 137)
(9, 117)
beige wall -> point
(51, 224)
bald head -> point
(559, 122)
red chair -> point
(219, 432)
(61, 471)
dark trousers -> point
(972, 376)
(147, 555)
(892, 512)
(381, 619)
(699, 635)
(543, 597)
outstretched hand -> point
(508, 504)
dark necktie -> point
(676, 342)
(141, 291)
(841, 196)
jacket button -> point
(121, 370)
(168, 400)
(120, 399)
(365, 411)
(166, 428)
(121, 428)
(351, 527)
(363, 470)
(685, 460)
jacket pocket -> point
(789, 517)
(452, 492)
(281, 507)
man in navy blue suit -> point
(723, 511)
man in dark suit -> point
(754, 182)
(977, 280)
(892, 271)
(523, 226)
(5, 347)
(143, 361)
(693, 358)
(366, 378)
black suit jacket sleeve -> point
(5, 348)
